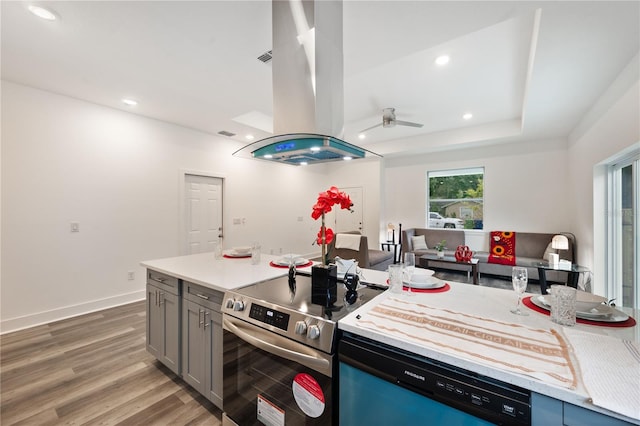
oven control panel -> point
(269, 316)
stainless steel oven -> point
(280, 365)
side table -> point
(397, 250)
(573, 272)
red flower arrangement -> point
(326, 200)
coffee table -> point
(426, 258)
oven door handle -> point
(312, 359)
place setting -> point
(240, 252)
(291, 259)
(410, 279)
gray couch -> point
(366, 257)
(529, 248)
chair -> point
(366, 257)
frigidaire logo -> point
(414, 375)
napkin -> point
(610, 370)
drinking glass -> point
(519, 281)
(395, 278)
(409, 267)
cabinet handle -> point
(206, 323)
(202, 296)
(200, 320)
(158, 279)
(161, 297)
(157, 300)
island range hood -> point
(308, 87)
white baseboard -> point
(32, 320)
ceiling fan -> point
(389, 120)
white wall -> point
(526, 187)
(612, 126)
(118, 175)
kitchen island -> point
(471, 328)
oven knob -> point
(238, 305)
(313, 332)
(301, 327)
(230, 303)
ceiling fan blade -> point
(372, 127)
(408, 123)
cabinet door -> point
(214, 357)
(155, 331)
(170, 307)
(193, 345)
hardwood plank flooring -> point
(94, 369)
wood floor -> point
(93, 369)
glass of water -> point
(409, 267)
(519, 281)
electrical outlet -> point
(237, 221)
(75, 226)
(131, 275)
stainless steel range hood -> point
(308, 94)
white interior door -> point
(203, 212)
(346, 220)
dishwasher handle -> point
(284, 348)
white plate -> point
(232, 253)
(432, 283)
(297, 261)
(603, 313)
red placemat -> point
(446, 287)
(226, 256)
(275, 265)
(628, 323)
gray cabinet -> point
(163, 319)
(202, 340)
(549, 411)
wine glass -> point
(409, 267)
(519, 281)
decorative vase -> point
(441, 254)
(463, 254)
(324, 284)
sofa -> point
(366, 257)
(529, 247)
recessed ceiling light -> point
(129, 102)
(362, 136)
(442, 60)
(347, 158)
(43, 13)
(267, 156)
(467, 116)
(315, 148)
(303, 163)
(249, 137)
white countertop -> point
(494, 304)
(219, 274)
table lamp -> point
(559, 242)
(391, 233)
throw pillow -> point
(419, 243)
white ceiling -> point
(524, 69)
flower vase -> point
(324, 285)
(441, 254)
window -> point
(455, 198)
(622, 231)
